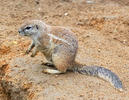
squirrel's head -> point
(31, 28)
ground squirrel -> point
(59, 45)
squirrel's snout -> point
(19, 31)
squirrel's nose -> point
(19, 30)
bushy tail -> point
(101, 73)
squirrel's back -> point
(62, 35)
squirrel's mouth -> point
(22, 33)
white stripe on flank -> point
(57, 38)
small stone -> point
(66, 14)
(99, 50)
(124, 41)
(14, 42)
(89, 1)
(81, 95)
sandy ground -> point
(102, 29)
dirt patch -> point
(102, 29)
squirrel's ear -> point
(37, 26)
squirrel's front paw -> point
(27, 52)
(33, 54)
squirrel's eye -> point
(28, 28)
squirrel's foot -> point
(51, 71)
(32, 55)
(27, 51)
